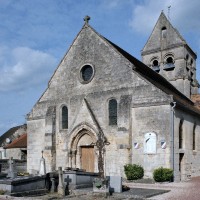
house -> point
(18, 148)
(13, 143)
(143, 109)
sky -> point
(36, 34)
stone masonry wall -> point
(151, 119)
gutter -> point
(173, 105)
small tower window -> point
(169, 64)
(192, 76)
(170, 60)
(187, 64)
(164, 32)
(112, 108)
(155, 66)
(64, 117)
(191, 62)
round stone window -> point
(86, 73)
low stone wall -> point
(23, 186)
(19, 166)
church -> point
(146, 111)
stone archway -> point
(83, 151)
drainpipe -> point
(173, 104)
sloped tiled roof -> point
(20, 142)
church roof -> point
(158, 80)
(149, 74)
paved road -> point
(189, 190)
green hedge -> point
(163, 174)
(133, 171)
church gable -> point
(90, 55)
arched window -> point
(155, 66)
(187, 57)
(155, 63)
(194, 138)
(181, 134)
(164, 32)
(112, 108)
(191, 62)
(64, 123)
(169, 63)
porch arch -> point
(83, 137)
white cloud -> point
(111, 3)
(185, 15)
(23, 67)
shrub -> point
(2, 192)
(133, 171)
(163, 174)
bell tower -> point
(168, 54)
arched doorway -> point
(83, 154)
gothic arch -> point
(78, 132)
(81, 136)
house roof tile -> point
(20, 142)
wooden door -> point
(87, 158)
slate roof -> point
(20, 142)
(159, 81)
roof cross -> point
(86, 19)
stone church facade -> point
(143, 109)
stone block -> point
(78, 179)
(115, 183)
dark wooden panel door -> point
(87, 158)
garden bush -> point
(133, 171)
(163, 174)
